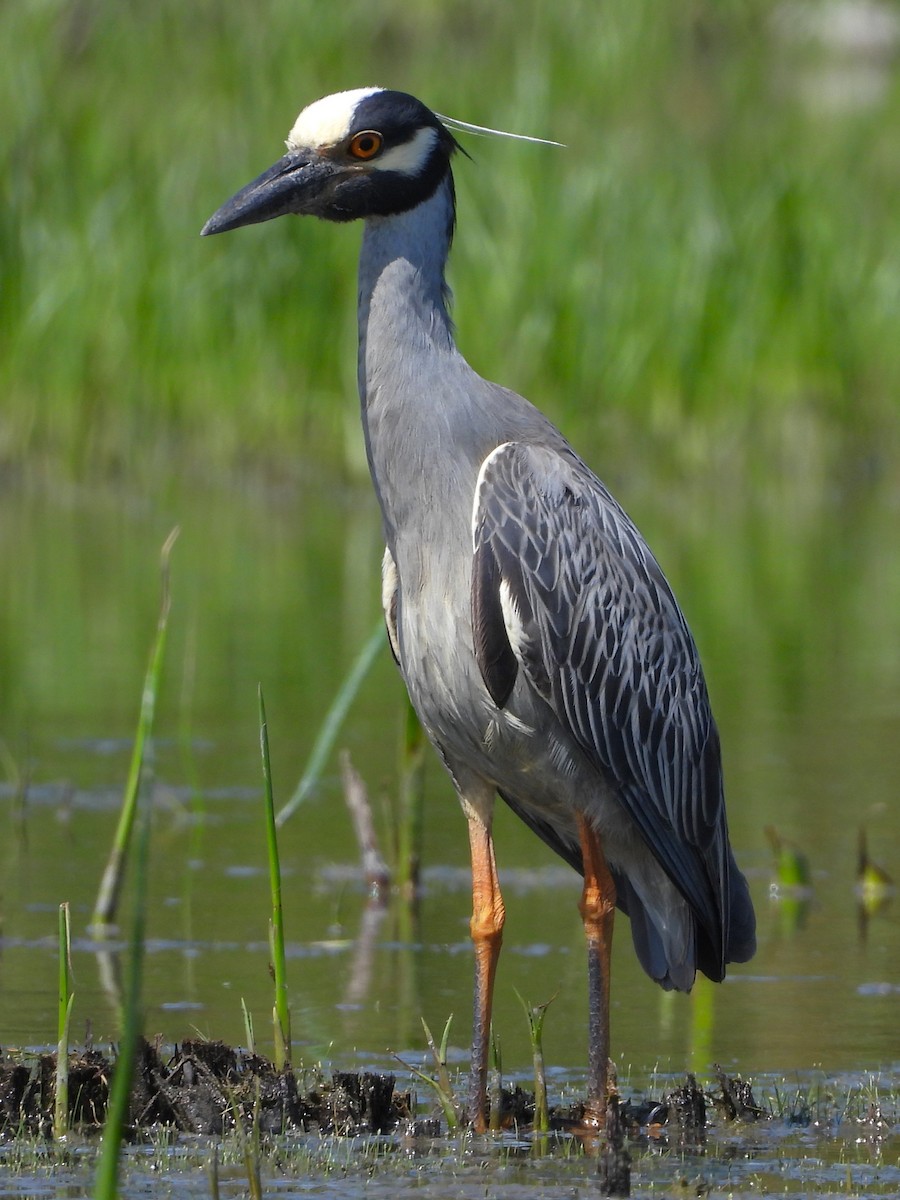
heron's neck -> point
(403, 317)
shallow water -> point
(794, 600)
(816, 1139)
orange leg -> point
(488, 915)
(597, 908)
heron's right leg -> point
(598, 909)
(488, 915)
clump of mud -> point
(202, 1088)
(207, 1087)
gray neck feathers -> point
(403, 315)
(428, 418)
(414, 385)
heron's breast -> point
(520, 747)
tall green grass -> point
(64, 1017)
(131, 846)
(108, 1162)
(106, 904)
(713, 253)
(281, 1010)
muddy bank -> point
(205, 1087)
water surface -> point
(794, 597)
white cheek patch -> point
(327, 121)
(409, 158)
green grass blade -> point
(334, 718)
(282, 1009)
(106, 1180)
(249, 1039)
(535, 1015)
(445, 1039)
(444, 1096)
(442, 1084)
(107, 901)
(66, 1000)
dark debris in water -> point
(202, 1088)
(686, 1113)
(737, 1103)
(205, 1087)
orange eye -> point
(366, 145)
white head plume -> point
(485, 131)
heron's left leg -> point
(488, 916)
(597, 908)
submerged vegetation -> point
(712, 259)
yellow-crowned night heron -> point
(540, 642)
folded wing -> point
(565, 589)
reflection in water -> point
(794, 596)
(791, 887)
(874, 886)
(358, 988)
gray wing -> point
(565, 588)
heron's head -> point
(365, 153)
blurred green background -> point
(710, 269)
(702, 289)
